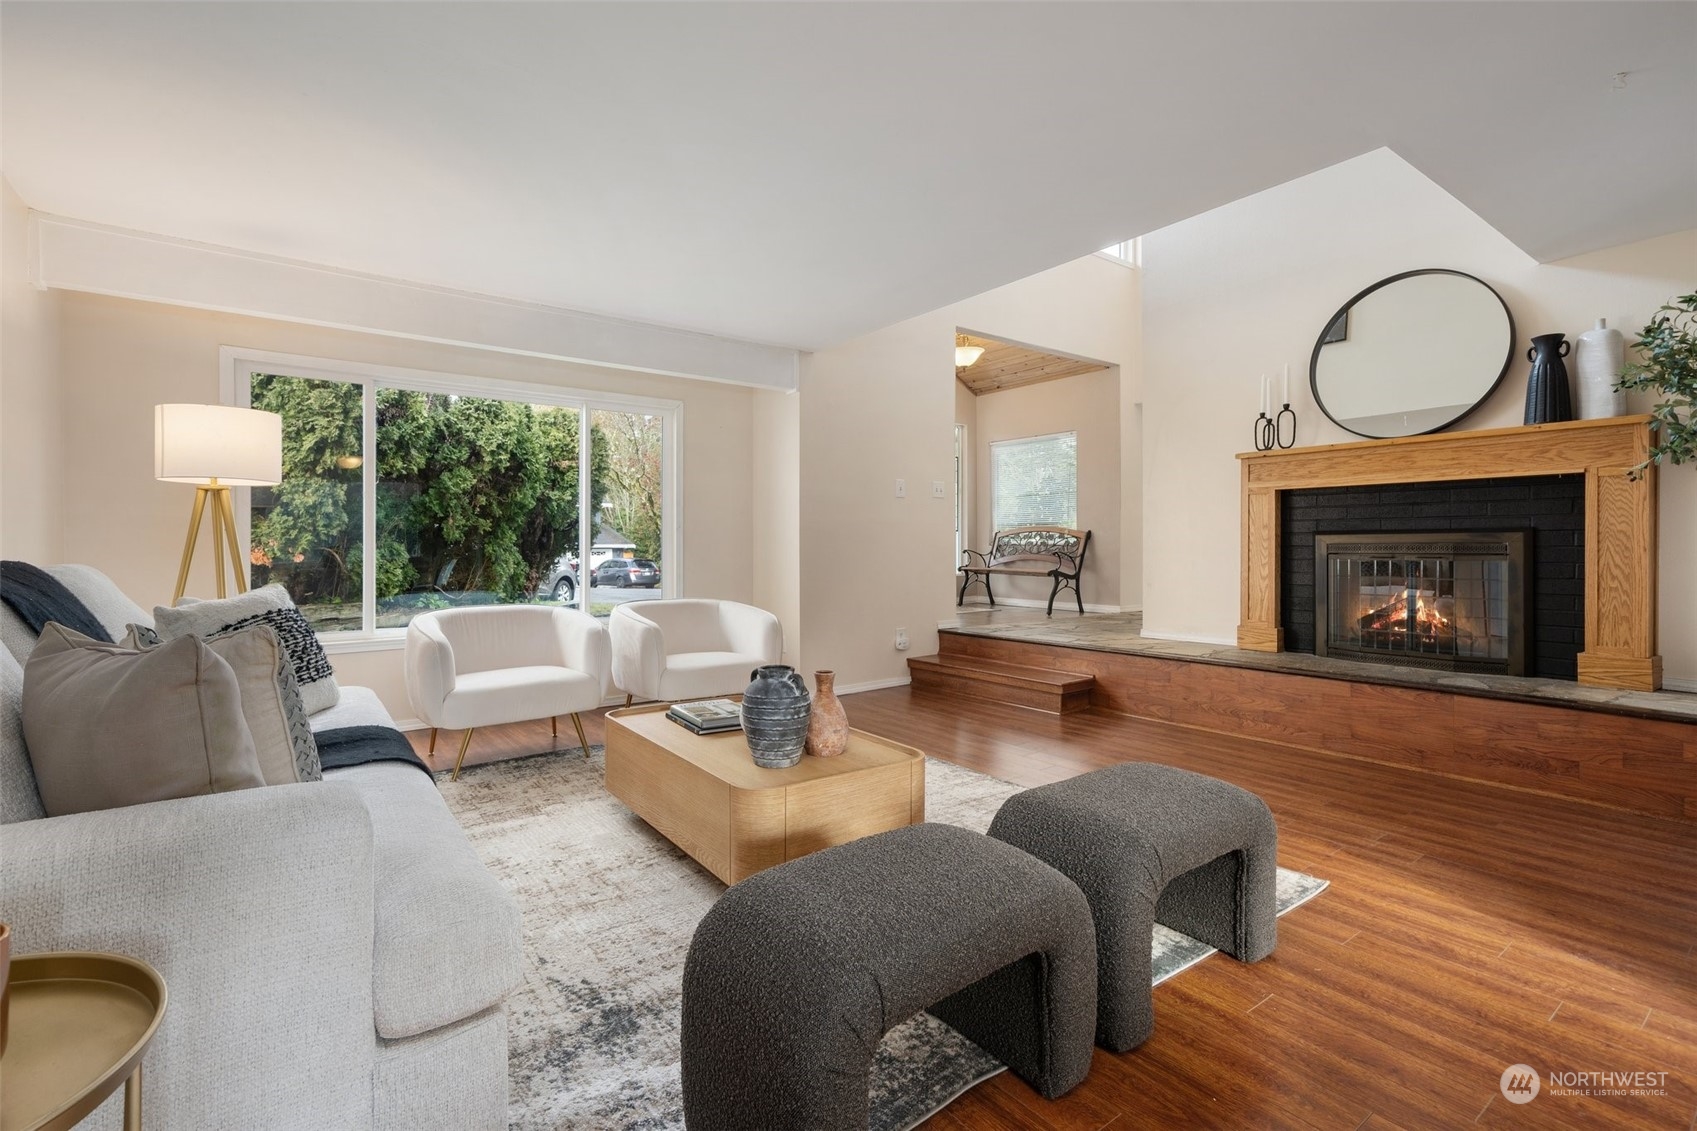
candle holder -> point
(1279, 427)
(1266, 432)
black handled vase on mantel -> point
(1548, 397)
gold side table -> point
(80, 1023)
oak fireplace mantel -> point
(1620, 522)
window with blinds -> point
(1034, 481)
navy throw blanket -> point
(355, 746)
(38, 597)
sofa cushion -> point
(107, 726)
(19, 800)
(271, 606)
(447, 941)
(357, 707)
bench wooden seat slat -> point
(1055, 552)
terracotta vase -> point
(827, 730)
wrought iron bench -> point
(1055, 552)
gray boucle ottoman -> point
(797, 973)
(1150, 843)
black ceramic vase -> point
(775, 710)
(1548, 397)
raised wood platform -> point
(1646, 765)
(1018, 684)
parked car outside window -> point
(560, 584)
(623, 573)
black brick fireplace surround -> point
(1553, 506)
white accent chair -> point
(690, 649)
(491, 664)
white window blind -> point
(1035, 481)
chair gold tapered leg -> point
(460, 761)
(582, 741)
(554, 725)
(627, 698)
(432, 740)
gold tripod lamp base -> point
(215, 496)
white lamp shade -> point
(196, 443)
(967, 355)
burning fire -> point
(1428, 623)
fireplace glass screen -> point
(1455, 601)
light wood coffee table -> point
(705, 794)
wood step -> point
(1042, 689)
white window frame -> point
(236, 364)
(995, 479)
(1128, 253)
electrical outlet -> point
(937, 489)
(901, 488)
(901, 639)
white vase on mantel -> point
(1599, 358)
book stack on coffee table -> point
(707, 716)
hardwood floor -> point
(1468, 927)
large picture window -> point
(404, 492)
(1034, 481)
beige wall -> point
(119, 358)
(31, 428)
(1087, 404)
(1247, 287)
(880, 408)
(777, 499)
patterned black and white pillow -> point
(269, 606)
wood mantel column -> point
(1620, 580)
(1620, 522)
(1258, 627)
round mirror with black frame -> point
(1411, 354)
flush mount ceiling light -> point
(966, 355)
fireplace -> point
(1448, 600)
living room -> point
(785, 296)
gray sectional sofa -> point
(335, 953)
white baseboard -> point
(873, 685)
(1670, 684)
(411, 724)
(1191, 638)
(1034, 603)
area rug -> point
(609, 908)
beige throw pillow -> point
(271, 703)
(107, 726)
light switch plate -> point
(901, 488)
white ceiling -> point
(801, 173)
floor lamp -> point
(216, 447)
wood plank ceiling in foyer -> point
(1005, 365)
(802, 173)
